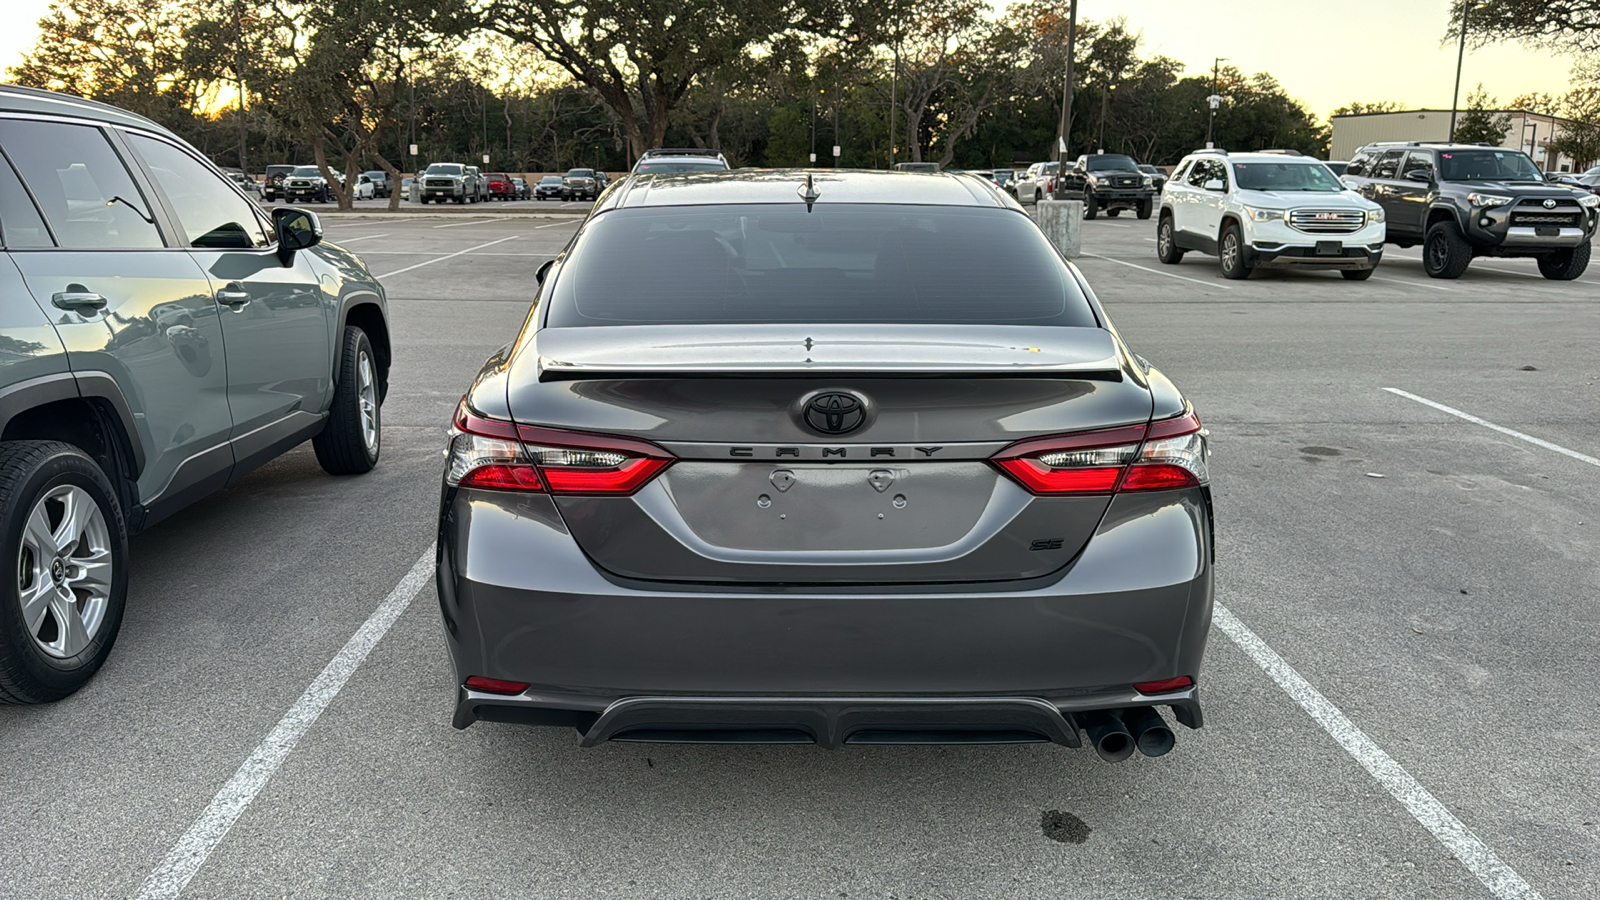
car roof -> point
(744, 186)
(15, 98)
(1264, 158)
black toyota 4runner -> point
(1461, 201)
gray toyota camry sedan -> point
(833, 458)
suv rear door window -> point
(846, 263)
(1388, 164)
(82, 187)
(211, 213)
(21, 227)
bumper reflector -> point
(495, 685)
(1164, 686)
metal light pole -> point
(813, 128)
(1461, 55)
(1060, 193)
(1105, 107)
(1214, 100)
(238, 73)
(894, 78)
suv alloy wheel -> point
(1445, 253)
(1167, 249)
(1231, 250)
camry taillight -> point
(1163, 456)
(493, 454)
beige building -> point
(1529, 132)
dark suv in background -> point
(272, 185)
(162, 336)
(1461, 201)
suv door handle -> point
(233, 296)
(78, 299)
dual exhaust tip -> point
(1115, 734)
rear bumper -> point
(521, 602)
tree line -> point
(546, 85)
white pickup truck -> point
(1034, 184)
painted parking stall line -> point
(195, 846)
(1501, 880)
(1511, 432)
(1209, 284)
(443, 258)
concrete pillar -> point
(1062, 222)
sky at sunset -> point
(1326, 53)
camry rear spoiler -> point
(682, 351)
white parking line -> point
(1537, 442)
(1115, 225)
(1501, 880)
(365, 237)
(451, 256)
(552, 225)
(1211, 284)
(459, 224)
(1435, 287)
(192, 849)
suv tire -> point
(1144, 209)
(42, 482)
(353, 438)
(1091, 206)
(1167, 249)
(1356, 274)
(1565, 265)
(1231, 251)
(1445, 253)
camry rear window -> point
(839, 263)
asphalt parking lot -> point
(1397, 693)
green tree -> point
(1572, 25)
(642, 57)
(129, 53)
(1478, 123)
(1580, 135)
(1358, 108)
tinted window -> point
(1418, 161)
(580, 173)
(307, 172)
(1107, 161)
(1207, 170)
(212, 214)
(21, 227)
(82, 187)
(1358, 164)
(1488, 165)
(662, 166)
(845, 263)
(1306, 176)
(444, 169)
(1388, 164)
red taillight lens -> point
(494, 454)
(1165, 455)
(1165, 685)
(1173, 456)
(495, 685)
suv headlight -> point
(1487, 201)
(1589, 200)
(1266, 215)
(1149, 182)
(1376, 215)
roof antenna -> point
(809, 192)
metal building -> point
(1528, 131)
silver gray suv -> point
(160, 336)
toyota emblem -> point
(1550, 204)
(834, 412)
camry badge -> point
(834, 412)
(1550, 204)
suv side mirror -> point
(1422, 175)
(297, 229)
(543, 271)
(1552, 176)
(1215, 184)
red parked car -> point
(500, 186)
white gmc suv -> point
(1267, 209)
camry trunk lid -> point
(828, 454)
